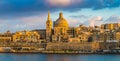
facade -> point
(26, 36)
(110, 26)
(117, 35)
(6, 37)
(41, 32)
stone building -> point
(117, 35)
(6, 37)
(26, 36)
(110, 26)
(41, 32)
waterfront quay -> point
(21, 47)
(58, 48)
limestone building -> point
(26, 36)
(6, 37)
(117, 35)
(110, 26)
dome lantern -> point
(61, 15)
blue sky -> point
(16, 15)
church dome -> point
(61, 22)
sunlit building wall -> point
(26, 36)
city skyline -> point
(59, 30)
(32, 14)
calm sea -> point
(57, 57)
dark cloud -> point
(10, 8)
(30, 7)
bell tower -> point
(49, 28)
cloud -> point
(18, 8)
(79, 16)
(62, 2)
(7, 25)
(94, 21)
(24, 23)
(35, 21)
(113, 19)
(73, 22)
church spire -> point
(48, 28)
(48, 15)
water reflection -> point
(78, 57)
(57, 57)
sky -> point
(18, 15)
